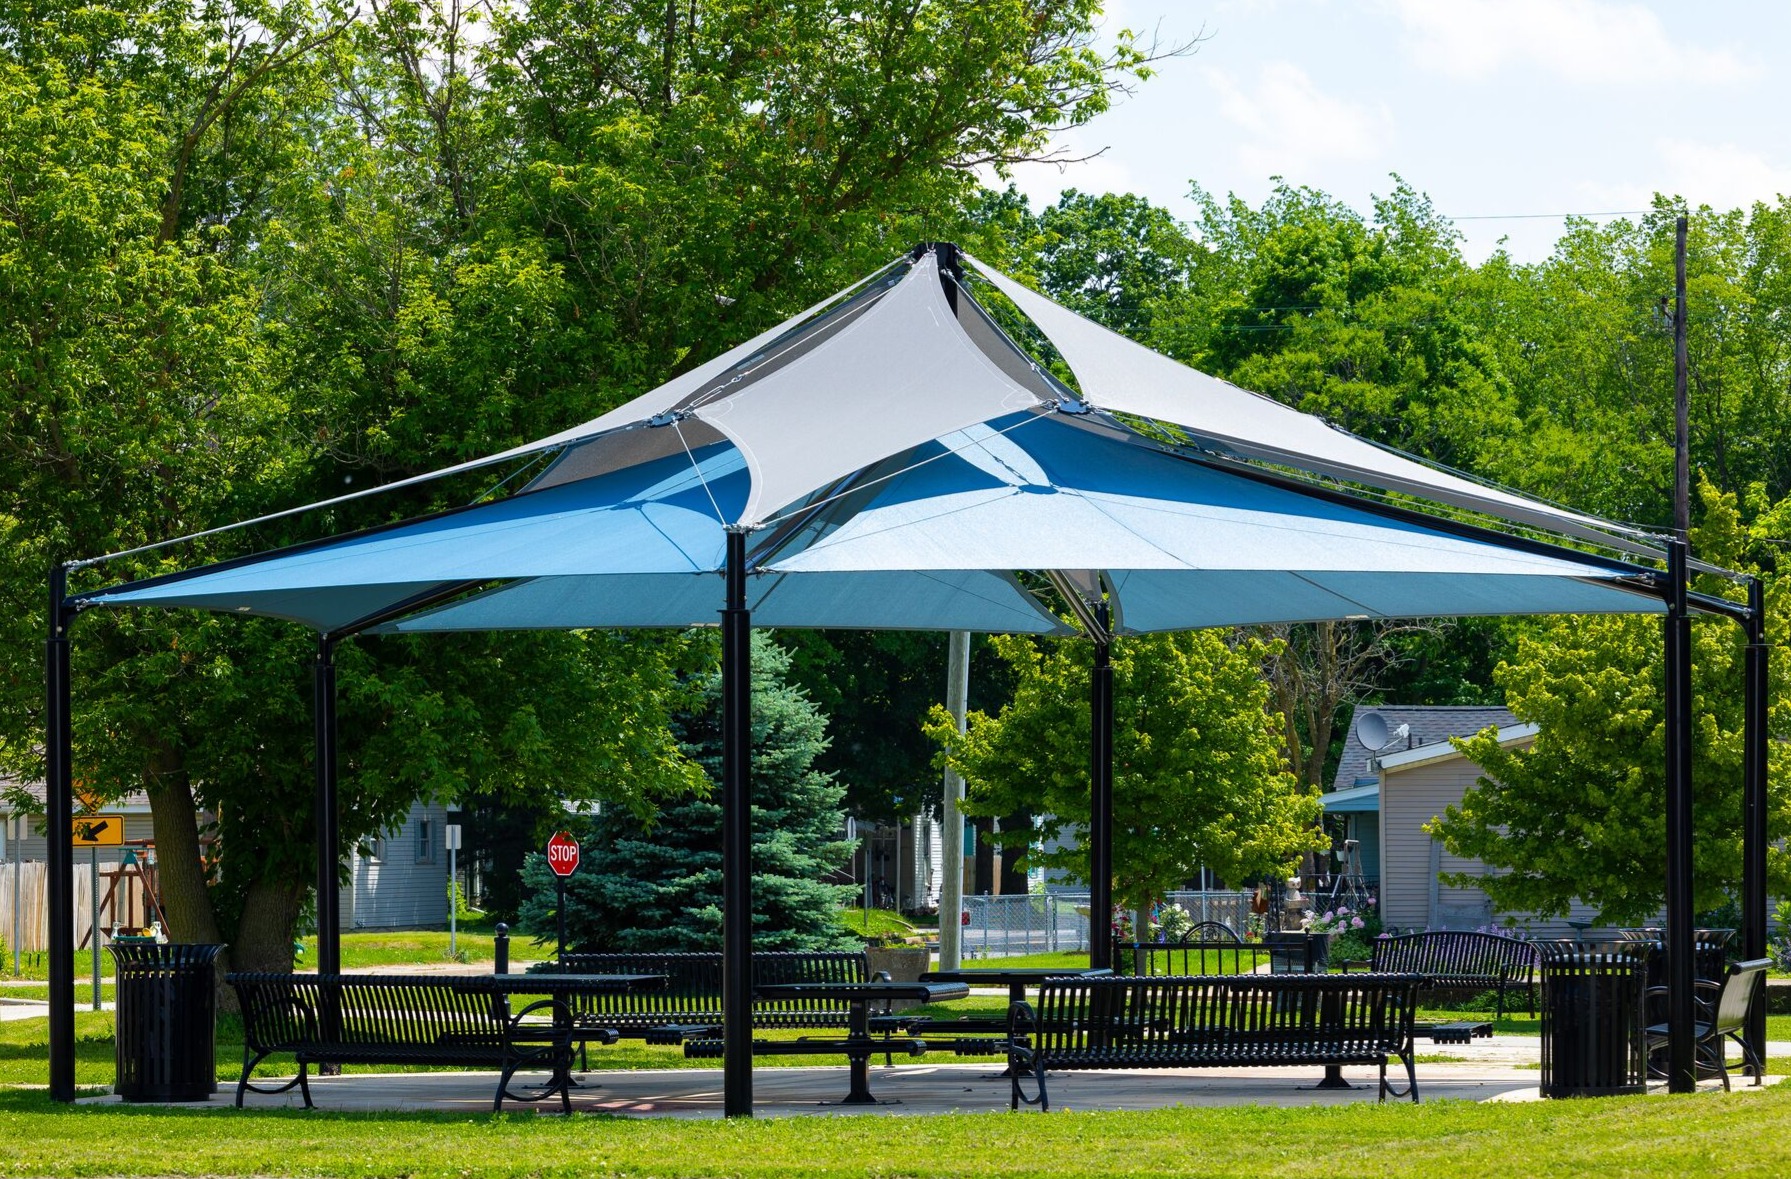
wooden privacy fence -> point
(23, 891)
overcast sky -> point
(1493, 107)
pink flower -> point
(1355, 923)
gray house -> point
(400, 880)
(1387, 797)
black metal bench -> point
(1290, 953)
(454, 1020)
(689, 1007)
(1213, 1021)
(1464, 959)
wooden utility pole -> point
(1681, 403)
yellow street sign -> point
(99, 831)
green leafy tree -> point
(877, 688)
(1581, 811)
(1353, 319)
(1115, 259)
(253, 253)
(653, 882)
(1586, 343)
(1198, 774)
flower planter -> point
(904, 963)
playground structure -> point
(130, 882)
(129, 897)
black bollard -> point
(502, 946)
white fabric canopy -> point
(900, 374)
(1117, 374)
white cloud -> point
(1721, 175)
(1289, 124)
(1043, 182)
(1587, 41)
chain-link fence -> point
(1043, 923)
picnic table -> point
(858, 1045)
(453, 1019)
(1015, 978)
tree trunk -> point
(264, 934)
(180, 869)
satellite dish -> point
(1371, 731)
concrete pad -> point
(1502, 1068)
(909, 1088)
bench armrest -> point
(1021, 1019)
(514, 1028)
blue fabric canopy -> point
(663, 516)
(1012, 484)
(933, 539)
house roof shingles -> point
(1431, 724)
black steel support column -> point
(1681, 1062)
(1753, 808)
(736, 837)
(59, 855)
(329, 839)
(1100, 802)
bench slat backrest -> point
(277, 1009)
(1455, 953)
(1163, 1014)
(283, 1012)
(1216, 956)
(693, 990)
(1289, 953)
(805, 967)
(421, 1010)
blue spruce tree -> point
(654, 883)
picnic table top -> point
(999, 975)
(530, 984)
(929, 992)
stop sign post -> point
(562, 857)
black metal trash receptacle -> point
(167, 1022)
(1297, 953)
(1592, 1044)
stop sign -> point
(562, 854)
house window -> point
(425, 845)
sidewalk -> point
(923, 1088)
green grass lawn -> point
(872, 922)
(421, 947)
(1067, 960)
(83, 990)
(406, 947)
(1697, 1135)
